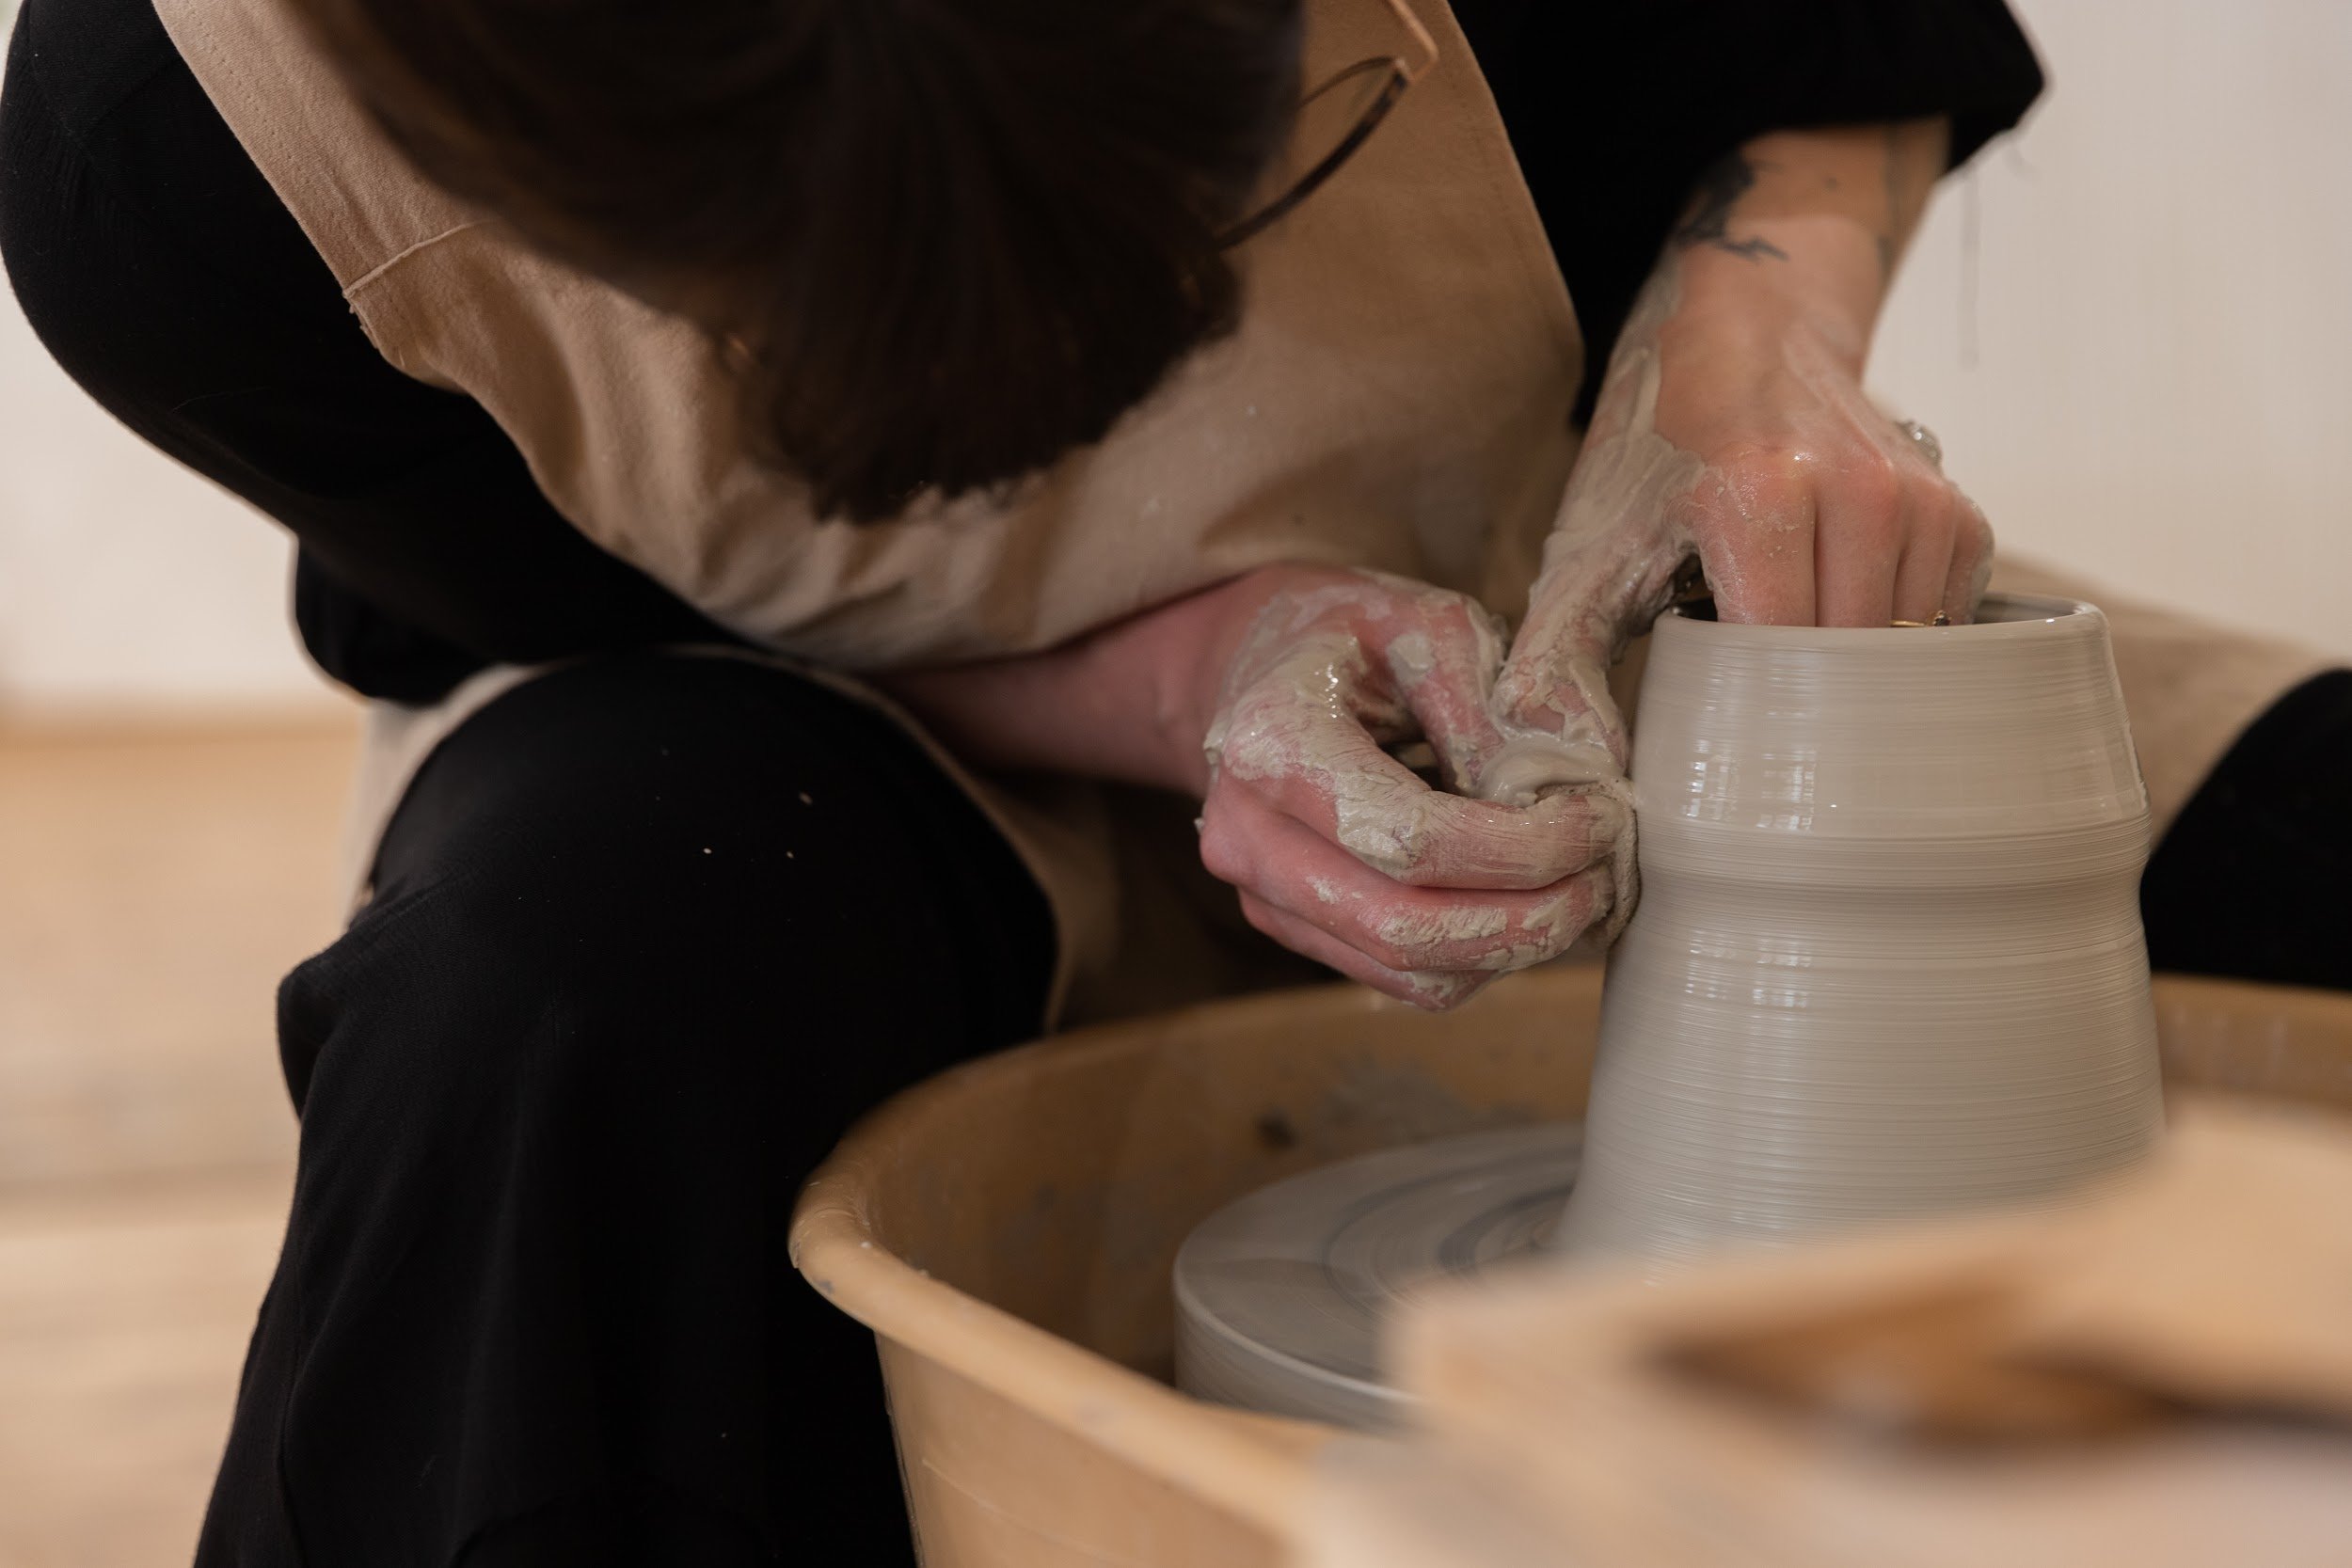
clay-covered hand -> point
(1733, 437)
(1342, 853)
(1743, 444)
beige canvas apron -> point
(1398, 397)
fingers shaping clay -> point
(1887, 962)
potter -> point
(814, 494)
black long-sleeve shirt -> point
(160, 269)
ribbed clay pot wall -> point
(1887, 959)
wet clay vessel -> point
(1889, 958)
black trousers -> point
(647, 934)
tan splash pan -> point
(1007, 1231)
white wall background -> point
(127, 585)
(2136, 355)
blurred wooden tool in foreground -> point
(2161, 1375)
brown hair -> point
(947, 239)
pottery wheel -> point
(1280, 1296)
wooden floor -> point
(152, 888)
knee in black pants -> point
(621, 987)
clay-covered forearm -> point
(1815, 220)
(1617, 109)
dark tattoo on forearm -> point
(1896, 200)
(1721, 187)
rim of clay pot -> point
(2001, 618)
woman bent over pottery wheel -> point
(820, 497)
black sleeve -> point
(2249, 881)
(163, 272)
(1614, 107)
